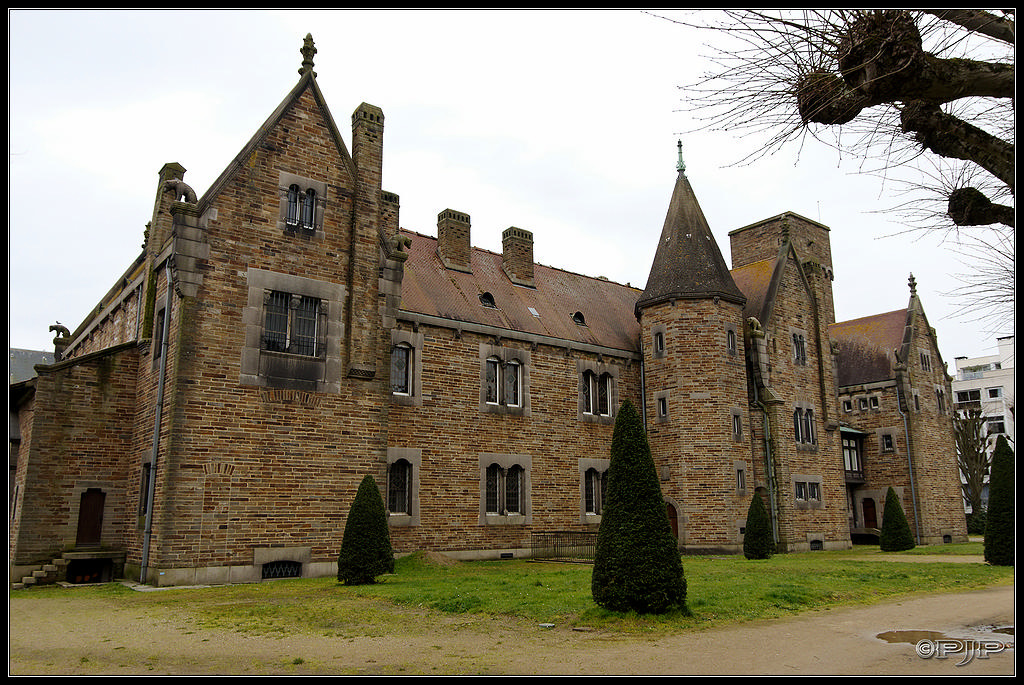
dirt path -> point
(50, 637)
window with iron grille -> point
(291, 323)
(281, 569)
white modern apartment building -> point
(987, 383)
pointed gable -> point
(688, 263)
(307, 82)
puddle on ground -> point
(911, 636)
(915, 636)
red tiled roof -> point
(429, 288)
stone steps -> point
(47, 574)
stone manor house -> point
(282, 336)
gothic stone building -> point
(282, 336)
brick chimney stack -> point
(453, 246)
(517, 255)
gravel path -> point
(51, 637)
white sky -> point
(563, 123)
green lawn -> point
(721, 590)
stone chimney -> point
(453, 246)
(517, 255)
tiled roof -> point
(688, 263)
(866, 346)
(547, 309)
(754, 280)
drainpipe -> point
(151, 486)
(770, 469)
(910, 462)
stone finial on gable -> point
(680, 164)
(912, 282)
(307, 51)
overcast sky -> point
(563, 123)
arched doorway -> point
(673, 519)
(870, 518)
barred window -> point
(291, 323)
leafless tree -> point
(924, 99)
(969, 429)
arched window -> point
(597, 390)
(400, 487)
(401, 369)
(730, 341)
(511, 382)
(593, 490)
(292, 215)
(514, 490)
(309, 209)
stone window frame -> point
(736, 424)
(887, 443)
(661, 406)
(659, 341)
(740, 469)
(505, 356)
(798, 346)
(285, 181)
(924, 358)
(805, 427)
(585, 370)
(586, 466)
(731, 340)
(414, 341)
(809, 485)
(506, 462)
(414, 457)
(331, 296)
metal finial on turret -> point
(680, 164)
(307, 51)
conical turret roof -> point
(688, 263)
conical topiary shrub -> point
(999, 534)
(637, 566)
(895, 535)
(758, 542)
(366, 546)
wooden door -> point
(90, 518)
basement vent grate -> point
(282, 569)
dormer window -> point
(579, 319)
(487, 300)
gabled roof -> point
(547, 309)
(688, 263)
(754, 281)
(307, 81)
(867, 347)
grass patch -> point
(422, 594)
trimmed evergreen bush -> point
(895, 535)
(637, 566)
(366, 546)
(758, 542)
(999, 535)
